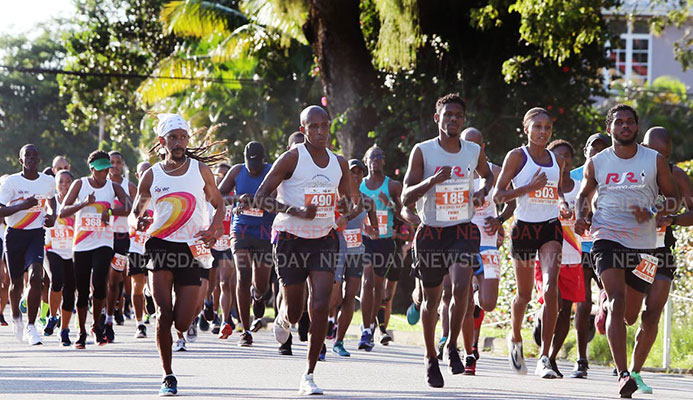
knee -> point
(56, 284)
(523, 298)
(488, 304)
(165, 314)
(550, 292)
(650, 318)
(616, 304)
(368, 283)
(36, 278)
(294, 314)
(179, 326)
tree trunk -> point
(348, 77)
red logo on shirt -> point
(456, 171)
(626, 176)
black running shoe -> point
(554, 367)
(258, 304)
(580, 370)
(216, 325)
(118, 317)
(65, 337)
(246, 339)
(475, 350)
(149, 305)
(81, 343)
(204, 324)
(209, 310)
(98, 335)
(108, 333)
(434, 378)
(303, 327)
(2, 320)
(455, 365)
(330, 330)
(536, 332)
(626, 385)
(285, 349)
(257, 324)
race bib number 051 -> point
(452, 201)
(325, 199)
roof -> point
(643, 8)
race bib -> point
(491, 260)
(40, 206)
(139, 238)
(61, 239)
(481, 210)
(323, 198)
(119, 262)
(353, 238)
(661, 231)
(647, 269)
(253, 212)
(546, 195)
(223, 243)
(92, 222)
(452, 201)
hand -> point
(441, 175)
(581, 225)
(501, 236)
(91, 199)
(479, 197)
(410, 216)
(492, 225)
(341, 222)
(105, 217)
(371, 232)
(538, 181)
(207, 237)
(565, 211)
(664, 220)
(307, 212)
(143, 222)
(384, 199)
(343, 205)
(28, 203)
(641, 214)
(49, 220)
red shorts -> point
(571, 283)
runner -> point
(137, 270)
(179, 188)
(658, 139)
(537, 178)
(584, 321)
(92, 202)
(440, 181)
(60, 269)
(117, 274)
(250, 240)
(4, 274)
(307, 179)
(23, 200)
(60, 163)
(490, 225)
(570, 279)
(627, 178)
(386, 193)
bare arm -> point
(667, 186)
(69, 207)
(228, 184)
(395, 189)
(511, 167)
(281, 169)
(141, 202)
(684, 186)
(414, 184)
(124, 199)
(487, 177)
(582, 204)
(216, 228)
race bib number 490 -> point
(325, 199)
(452, 201)
(546, 195)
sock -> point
(139, 322)
(330, 319)
(372, 327)
(380, 316)
(45, 309)
(370, 332)
(109, 319)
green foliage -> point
(399, 35)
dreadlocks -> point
(203, 152)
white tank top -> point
(448, 203)
(572, 245)
(180, 205)
(60, 238)
(309, 184)
(90, 233)
(540, 205)
(488, 209)
(120, 224)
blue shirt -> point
(258, 227)
(576, 174)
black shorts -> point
(121, 243)
(609, 254)
(252, 244)
(218, 255)
(667, 265)
(175, 257)
(395, 270)
(295, 257)
(380, 254)
(22, 249)
(137, 264)
(437, 248)
(526, 238)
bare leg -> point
(318, 306)
(549, 256)
(647, 333)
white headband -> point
(170, 122)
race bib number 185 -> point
(452, 201)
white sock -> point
(330, 319)
(109, 319)
(368, 330)
(139, 322)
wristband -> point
(674, 218)
(500, 219)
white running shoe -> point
(31, 335)
(180, 345)
(18, 328)
(544, 369)
(191, 335)
(515, 356)
(281, 329)
(308, 386)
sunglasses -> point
(377, 157)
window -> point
(632, 56)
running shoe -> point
(626, 385)
(2, 320)
(544, 369)
(308, 386)
(455, 365)
(580, 370)
(330, 330)
(204, 324)
(191, 334)
(339, 349)
(31, 335)
(303, 327)
(475, 351)
(141, 332)
(385, 338)
(365, 342)
(81, 343)
(323, 353)
(65, 337)
(441, 346)
(18, 328)
(98, 335)
(642, 387)
(413, 314)
(216, 325)
(149, 304)
(600, 320)
(258, 304)
(22, 306)
(246, 339)
(281, 329)
(146, 318)
(180, 345)
(536, 331)
(209, 310)
(108, 333)
(285, 349)
(118, 317)
(516, 357)
(554, 367)
(470, 365)
(258, 323)
(169, 387)
(226, 331)
(434, 378)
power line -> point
(122, 75)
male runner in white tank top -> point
(627, 178)
(307, 179)
(180, 232)
(440, 180)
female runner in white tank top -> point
(535, 174)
